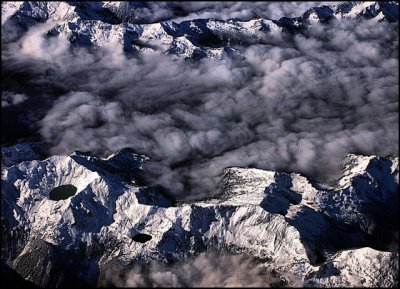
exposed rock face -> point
(306, 233)
(101, 23)
(284, 220)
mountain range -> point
(300, 229)
(101, 23)
(74, 220)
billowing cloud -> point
(150, 12)
(296, 103)
(10, 99)
(205, 270)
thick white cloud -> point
(208, 269)
(244, 10)
(297, 103)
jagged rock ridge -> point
(321, 236)
(318, 235)
(101, 23)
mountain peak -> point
(266, 211)
(99, 23)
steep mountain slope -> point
(105, 23)
(293, 226)
(69, 220)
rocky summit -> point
(344, 235)
(118, 23)
(90, 219)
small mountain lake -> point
(62, 192)
(142, 238)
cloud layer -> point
(296, 103)
(223, 10)
(205, 270)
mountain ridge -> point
(266, 214)
(76, 219)
(97, 24)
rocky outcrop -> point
(284, 220)
(101, 23)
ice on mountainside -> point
(67, 219)
(100, 23)
(280, 218)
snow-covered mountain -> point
(102, 23)
(66, 220)
(344, 235)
